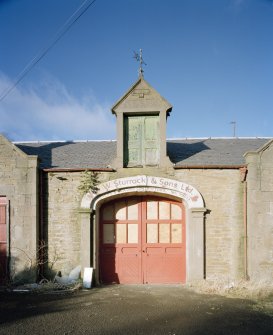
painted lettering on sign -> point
(144, 183)
(123, 182)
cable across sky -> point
(60, 33)
(212, 60)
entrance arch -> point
(143, 186)
(142, 240)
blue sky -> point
(211, 59)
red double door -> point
(142, 240)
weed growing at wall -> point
(89, 182)
(34, 263)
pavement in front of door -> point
(131, 309)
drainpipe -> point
(243, 179)
(41, 225)
(8, 265)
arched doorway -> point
(142, 240)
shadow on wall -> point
(8, 275)
(179, 150)
(46, 264)
(31, 273)
(3, 267)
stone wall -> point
(60, 220)
(260, 213)
(222, 191)
(62, 230)
(18, 183)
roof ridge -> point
(168, 139)
(221, 138)
(60, 141)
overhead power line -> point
(60, 33)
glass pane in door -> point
(152, 233)
(164, 233)
(132, 233)
(108, 233)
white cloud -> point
(49, 112)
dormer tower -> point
(141, 127)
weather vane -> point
(138, 57)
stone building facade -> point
(141, 209)
(19, 210)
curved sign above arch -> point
(144, 184)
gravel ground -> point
(131, 309)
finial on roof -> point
(138, 57)
(234, 128)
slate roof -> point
(182, 152)
(72, 155)
(218, 151)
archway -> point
(145, 186)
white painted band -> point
(144, 184)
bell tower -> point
(141, 127)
